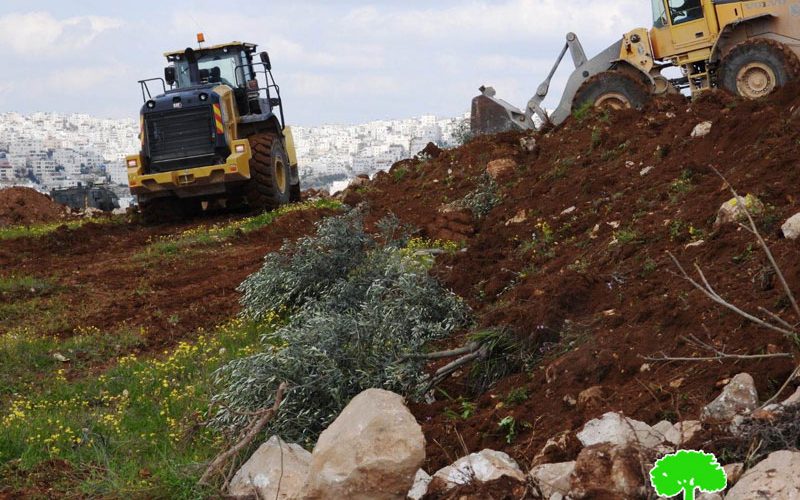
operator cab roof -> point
(249, 48)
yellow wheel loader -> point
(748, 48)
(214, 135)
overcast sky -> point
(336, 61)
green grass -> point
(39, 230)
(136, 430)
(15, 285)
(202, 236)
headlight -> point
(240, 148)
(133, 163)
(151, 104)
(203, 96)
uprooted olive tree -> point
(361, 310)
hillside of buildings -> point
(47, 151)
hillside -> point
(563, 248)
(573, 261)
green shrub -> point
(364, 311)
(484, 198)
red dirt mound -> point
(572, 262)
(24, 206)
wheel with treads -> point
(270, 175)
(756, 68)
(611, 90)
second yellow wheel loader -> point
(215, 136)
(748, 48)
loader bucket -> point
(491, 115)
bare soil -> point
(21, 206)
(604, 295)
(572, 262)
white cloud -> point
(81, 79)
(40, 32)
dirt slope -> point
(573, 262)
(102, 276)
(23, 206)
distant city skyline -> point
(343, 62)
(49, 150)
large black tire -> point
(612, 90)
(756, 68)
(296, 195)
(270, 178)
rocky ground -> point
(564, 244)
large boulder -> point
(276, 470)
(776, 478)
(739, 397)
(553, 479)
(733, 210)
(617, 429)
(609, 471)
(372, 451)
(486, 466)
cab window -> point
(684, 11)
(659, 14)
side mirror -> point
(275, 102)
(169, 75)
(266, 61)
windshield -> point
(215, 67)
(659, 14)
(683, 11)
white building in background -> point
(56, 150)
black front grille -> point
(180, 138)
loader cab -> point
(227, 65)
(682, 26)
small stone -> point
(739, 397)
(616, 429)
(420, 488)
(793, 400)
(529, 144)
(483, 467)
(60, 357)
(733, 210)
(569, 210)
(670, 115)
(501, 168)
(552, 479)
(701, 130)
(592, 398)
(791, 229)
(521, 217)
(570, 401)
(646, 170)
(564, 447)
(695, 244)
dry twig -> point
(249, 435)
